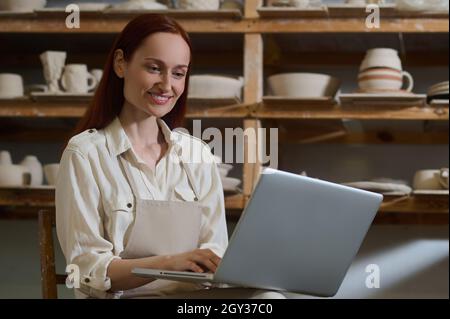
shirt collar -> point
(118, 141)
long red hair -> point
(108, 98)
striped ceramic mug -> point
(384, 79)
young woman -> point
(129, 191)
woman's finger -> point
(205, 261)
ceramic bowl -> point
(198, 4)
(215, 86)
(230, 183)
(303, 85)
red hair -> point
(109, 99)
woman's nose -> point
(165, 82)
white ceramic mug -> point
(381, 58)
(431, 179)
(50, 173)
(384, 79)
(77, 79)
(5, 158)
(97, 73)
(14, 175)
(11, 85)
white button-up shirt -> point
(95, 203)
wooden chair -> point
(49, 278)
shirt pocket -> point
(119, 216)
(120, 204)
(185, 193)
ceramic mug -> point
(14, 175)
(381, 58)
(50, 173)
(11, 85)
(384, 79)
(5, 158)
(77, 79)
(431, 179)
(97, 73)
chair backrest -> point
(49, 278)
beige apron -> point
(162, 228)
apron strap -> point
(128, 175)
(188, 171)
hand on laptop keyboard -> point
(198, 260)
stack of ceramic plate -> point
(230, 184)
(438, 91)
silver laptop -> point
(296, 234)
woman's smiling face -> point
(154, 78)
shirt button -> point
(129, 205)
(91, 131)
(86, 280)
(195, 199)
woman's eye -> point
(153, 68)
(179, 75)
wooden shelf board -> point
(110, 23)
(43, 197)
(349, 25)
(114, 23)
(419, 204)
(351, 112)
(129, 14)
(75, 109)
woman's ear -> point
(119, 63)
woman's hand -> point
(198, 260)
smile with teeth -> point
(159, 99)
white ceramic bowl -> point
(139, 5)
(199, 4)
(224, 169)
(303, 85)
(230, 183)
(22, 5)
(92, 6)
(215, 86)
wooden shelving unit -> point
(394, 208)
(223, 22)
(44, 197)
(254, 24)
(75, 109)
(362, 112)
